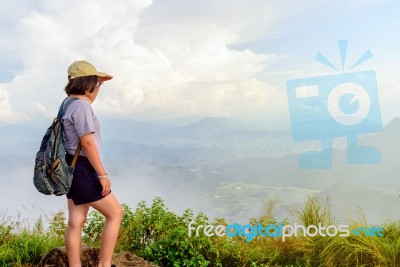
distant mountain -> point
(132, 131)
(353, 201)
(208, 127)
(202, 159)
(13, 134)
(212, 135)
(387, 141)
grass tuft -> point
(159, 235)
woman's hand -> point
(104, 79)
(106, 184)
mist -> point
(222, 167)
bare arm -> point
(90, 149)
(92, 96)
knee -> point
(119, 213)
(76, 223)
(116, 214)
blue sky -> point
(181, 58)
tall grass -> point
(22, 245)
(352, 250)
(314, 212)
(161, 236)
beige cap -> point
(83, 68)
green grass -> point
(159, 235)
(24, 246)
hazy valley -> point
(223, 167)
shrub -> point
(21, 246)
(162, 236)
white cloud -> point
(168, 58)
(7, 114)
(161, 69)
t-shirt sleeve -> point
(83, 119)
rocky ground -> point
(57, 257)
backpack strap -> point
(64, 105)
(78, 150)
(61, 112)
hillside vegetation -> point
(161, 236)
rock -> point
(128, 259)
(57, 257)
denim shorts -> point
(86, 186)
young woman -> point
(91, 186)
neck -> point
(77, 96)
(81, 97)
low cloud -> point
(160, 70)
(169, 58)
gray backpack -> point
(52, 175)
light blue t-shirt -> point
(79, 120)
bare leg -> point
(76, 219)
(111, 209)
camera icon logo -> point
(337, 105)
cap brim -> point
(102, 74)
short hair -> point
(78, 86)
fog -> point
(222, 167)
